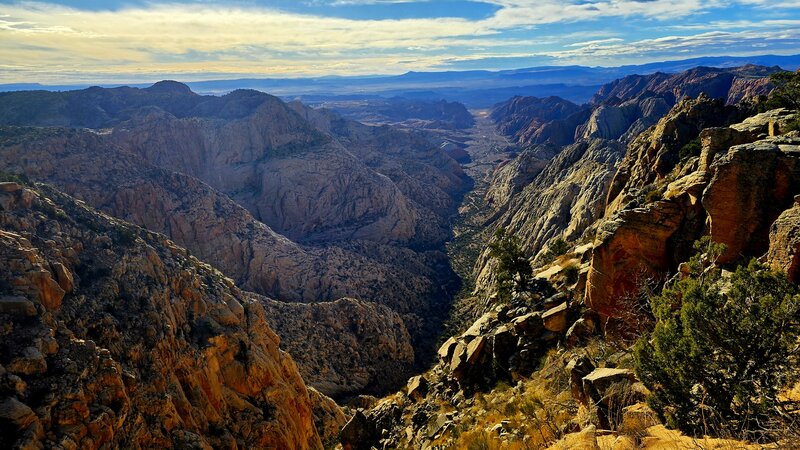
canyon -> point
(208, 271)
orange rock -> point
(64, 277)
(630, 249)
(751, 186)
(784, 243)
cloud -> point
(710, 43)
(48, 41)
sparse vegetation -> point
(787, 91)
(693, 148)
(571, 273)
(514, 273)
(555, 249)
(651, 193)
(722, 349)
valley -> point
(239, 271)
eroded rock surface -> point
(344, 347)
(149, 347)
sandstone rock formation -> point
(216, 229)
(625, 108)
(731, 85)
(203, 220)
(523, 116)
(562, 201)
(510, 178)
(784, 243)
(737, 189)
(652, 155)
(219, 175)
(146, 346)
(743, 202)
(344, 346)
(505, 346)
(269, 158)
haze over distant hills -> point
(475, 88)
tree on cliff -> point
(722, 348)
(787, 90)
(514, 273)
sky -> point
(61, 41)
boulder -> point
(17, 305)
(64, 277)
(530, 324)
(580, 331)
(596, 389)
(417, 387)
(16, 414)
(742, 202)
(50, 292)
(458, 362)
(10, 186)
(504, 345)
(601, 378)
(358, 433)
(30, 362)
(446, 350)
(784, 243)
(474, 349)
(555, 319)
(480, 326)
(578, 368)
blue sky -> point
(137, 40)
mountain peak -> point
(170, 86)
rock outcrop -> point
(655, 153)
(116, 338)
(739, 191)
(205, 221)
(509, 179)
(729, 84)
(784, 243)
(625, 108)
(562, 201)
(503, 347)
(216, 229)
(304, 182)
(522, 117)
(346, 346)
(752, 185)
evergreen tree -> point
(514, 273)
(722, 347)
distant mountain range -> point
(476, 88)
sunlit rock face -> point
(114, 336)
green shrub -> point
(653, 196)
(571, 273)
(555, 249)
(787, 91)
(693, 148)
(722, 348)
(514, 273)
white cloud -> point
(57, 41)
